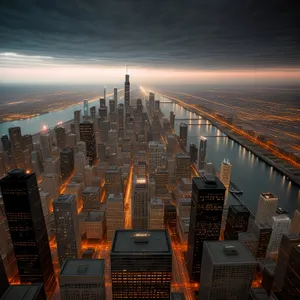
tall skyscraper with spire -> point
(127, 92)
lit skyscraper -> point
(266, 209)
(127, 93)
(27, 228)
(225, 173)
(87, 134)
(227, 271)
(67, 227)
(208, 195)
(202, 152)
(85, 107)
(66, 162)
(140, 203)
(141, 264)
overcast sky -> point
(45, 37)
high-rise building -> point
(85, 107)
(156, 156)
(113, 180)
(93, 112)
(227, 271)
(116, 96)
(82, 279)
(87, 135)
(156, 214)
(114, 214)
(156, 105)
(127, 92)
(237, 221)
(151, 100)
(27, 142)
(183, 133)
(161, 181)
(103, 126)
(66, 162)
(104, 93)
(266, 209)
(250, 240)
(103, 112)
(27, 228)
(140, 203)
(46, 145)
(291, 290)
(141, 264)
(183, 166)
(6, 145)
(193, 153)
(262, 234)
(288, 241)
(280, 225)
(225, 173)
(67, 227)
(202, 152)
(112, 106)
(208, 195)
(120, 119)
(172, 119)
(77, 121)
(3, 277)
(295, 226)
(91, 197)
(25, 292)
(61, 139)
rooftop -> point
(156, 201)
(115, 198)
(239, 208)
(158, 241)
(64, 198)
(177, 296)
(208, 182)
(229, 252)
(82, 267)
(91, 190)
(22, 292)
(95, 216)
(268, 196)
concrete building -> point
(208, 195)
(25, 292)
(156, 156)
(262, 234)
(46, 145)
(95, 227)
(3, 277)
(141, 264)
(227, 271)
(183, 133)
(61, 138)
(87, 135)
(280, 225)
(193, 153)
(156, 214)
(82, 279)
(116, 96)
(114, 214)
(113, 180)
(183, 166)
(91, 197)
(202, 152)
(295, 226)
(140, 203)
(266, 209)
(104, 127)
(249, 240)
(161, 181)
(182, 229)
(225, 173)
(67, 227)
(85, 107)
(66, 162)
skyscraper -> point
(113, 180)
(120, 119)
(127, 93)
(67, 227)
(202, 152)
(87, 134)
(225, 173)
(66, 162)
(85, 107)
(193, 153)
(262, 234)
(156, 157)
(46, 145)
(208, 195)
(227, 271)
(267, 205)
(82, 279)
(140, 203)
(183, 166)
(288, 241)
(116, 96)
(237, 221)
(183, 133)
(141, 264)
(172, 119)
(156, 214)
(3, 277)
(27, 228)
(295, 226)
(25, 292)
(112, 106)
(61, 138)
(102, 102)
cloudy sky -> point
(65, 40)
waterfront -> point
(249, 173)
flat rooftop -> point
(82, 267)
(239, 208)
(236, 253)
(115, 198)
(208, 182)
(64, 198)
(91, 190)
(94, 216)
(269, 196)
(22, 292)
(127, 241)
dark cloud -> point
(197, 33)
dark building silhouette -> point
(25, 292)
(193, 153)
(61, 138)
(66, 162)
(237, 221)
(27, 228)
(87, 135)
(141, 264)
(127, 93)
(3, 278)
(263, 234)
(208, 194)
